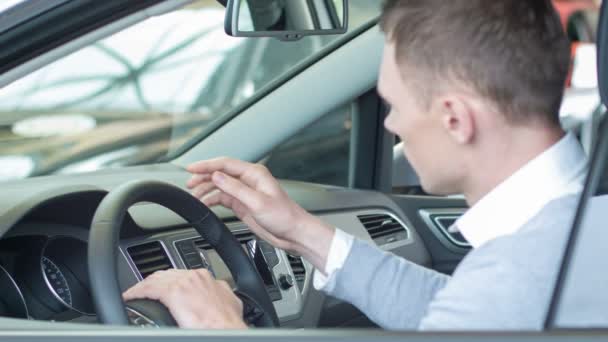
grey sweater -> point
(505, 284)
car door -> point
(579, 300)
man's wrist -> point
(312, 240)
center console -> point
(193, 253)
(187, 250)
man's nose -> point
(388, 122)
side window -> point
(319, 153)
(405, 180)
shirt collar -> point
(557, 172)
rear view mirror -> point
(285, 19)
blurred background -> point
(141, 95)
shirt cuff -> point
(339, 249)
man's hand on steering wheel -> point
(195, 298)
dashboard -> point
(43, 250)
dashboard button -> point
(286, 281)
(266, 247)
(271, 259)
(186, 247)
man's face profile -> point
(418, 122)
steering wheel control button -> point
(265, 247)
(269, 253)
(138, 319)
(192, 256)
(186, 247)
(193, 259)
(271, 259)
(286, 281)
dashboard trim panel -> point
(16, 287)
(290, 306)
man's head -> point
(458, 72)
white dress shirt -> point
(559, 171)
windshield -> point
(141, 94)
(6, 4)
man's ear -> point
(457, 118)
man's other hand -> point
(195, 298)
(258, 200)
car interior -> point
(73, 237)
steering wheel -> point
(103, 254)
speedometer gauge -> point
(55, 271)
(56, 281)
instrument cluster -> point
(44, 278)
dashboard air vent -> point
(242, 237)
(149, 258)
(202, 244)
(383, 228)
(299, 272)
(444, 222)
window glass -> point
(319, 153)
(580, 299)
(7, 4)
(140, 95)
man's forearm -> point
(369, 278)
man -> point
(475, 88)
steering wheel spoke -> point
(252, 311)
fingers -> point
(252, 199)
(203, 189)
(230, 166)
(219, 198)
(204, 274)
(145, 289)
(229, 291)
(250, 174)
(197, 179)
(159, 284)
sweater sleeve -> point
(391, 291)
